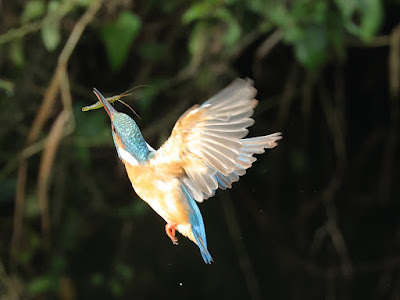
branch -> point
(57, 82)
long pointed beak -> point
(107, 106)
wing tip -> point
(273, 139)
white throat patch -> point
(126, 156)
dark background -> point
(315, 218)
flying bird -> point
(207, 150)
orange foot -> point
(170, 230)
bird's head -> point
(126, 133)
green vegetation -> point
(315, 218)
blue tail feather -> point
(198, 228)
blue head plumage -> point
(125, 131)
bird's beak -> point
(107, 106)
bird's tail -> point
(195, 230)
(250, 146)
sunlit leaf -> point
(40, 285)
(197, 11)
(33, 9)
(198, 42)
(51, 35)
(293, 34)
(369, 18)
(118, 36)
(372, 18)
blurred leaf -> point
(170, 6)
(346, 7)
(201, 32)
(368, 13)
(198, 42)
(58, 264)
(123, 271)
(97, 279)
(32, 209)
(206, 77)
(51, 34)
(280, 15)
(372, 18)
(297, 161)
(336, 35)
(33, 9)
(84, 3)
(293, 34)
(152, 51)
(234, 30)
(257, 6)
(7, 86)
(233, 34)
(145, 102)
(17, 53)
(32, 247)
(197, 11)
(116, 288)
(134, 209)
(118, 36)
(51, 280)
(82, 153)
(40, 285)
(52, 7)
(311, 48)
(93, 126)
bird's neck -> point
(132, 142)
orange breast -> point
(161, 190)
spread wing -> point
(207, 145)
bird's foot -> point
(170, 230)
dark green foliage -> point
(118, 37)
(317, 217)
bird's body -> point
(206, 151)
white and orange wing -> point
(207, 141)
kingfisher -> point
(206, 150)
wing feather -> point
(207, 142)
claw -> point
(170, 230)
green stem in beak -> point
(107, 106)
